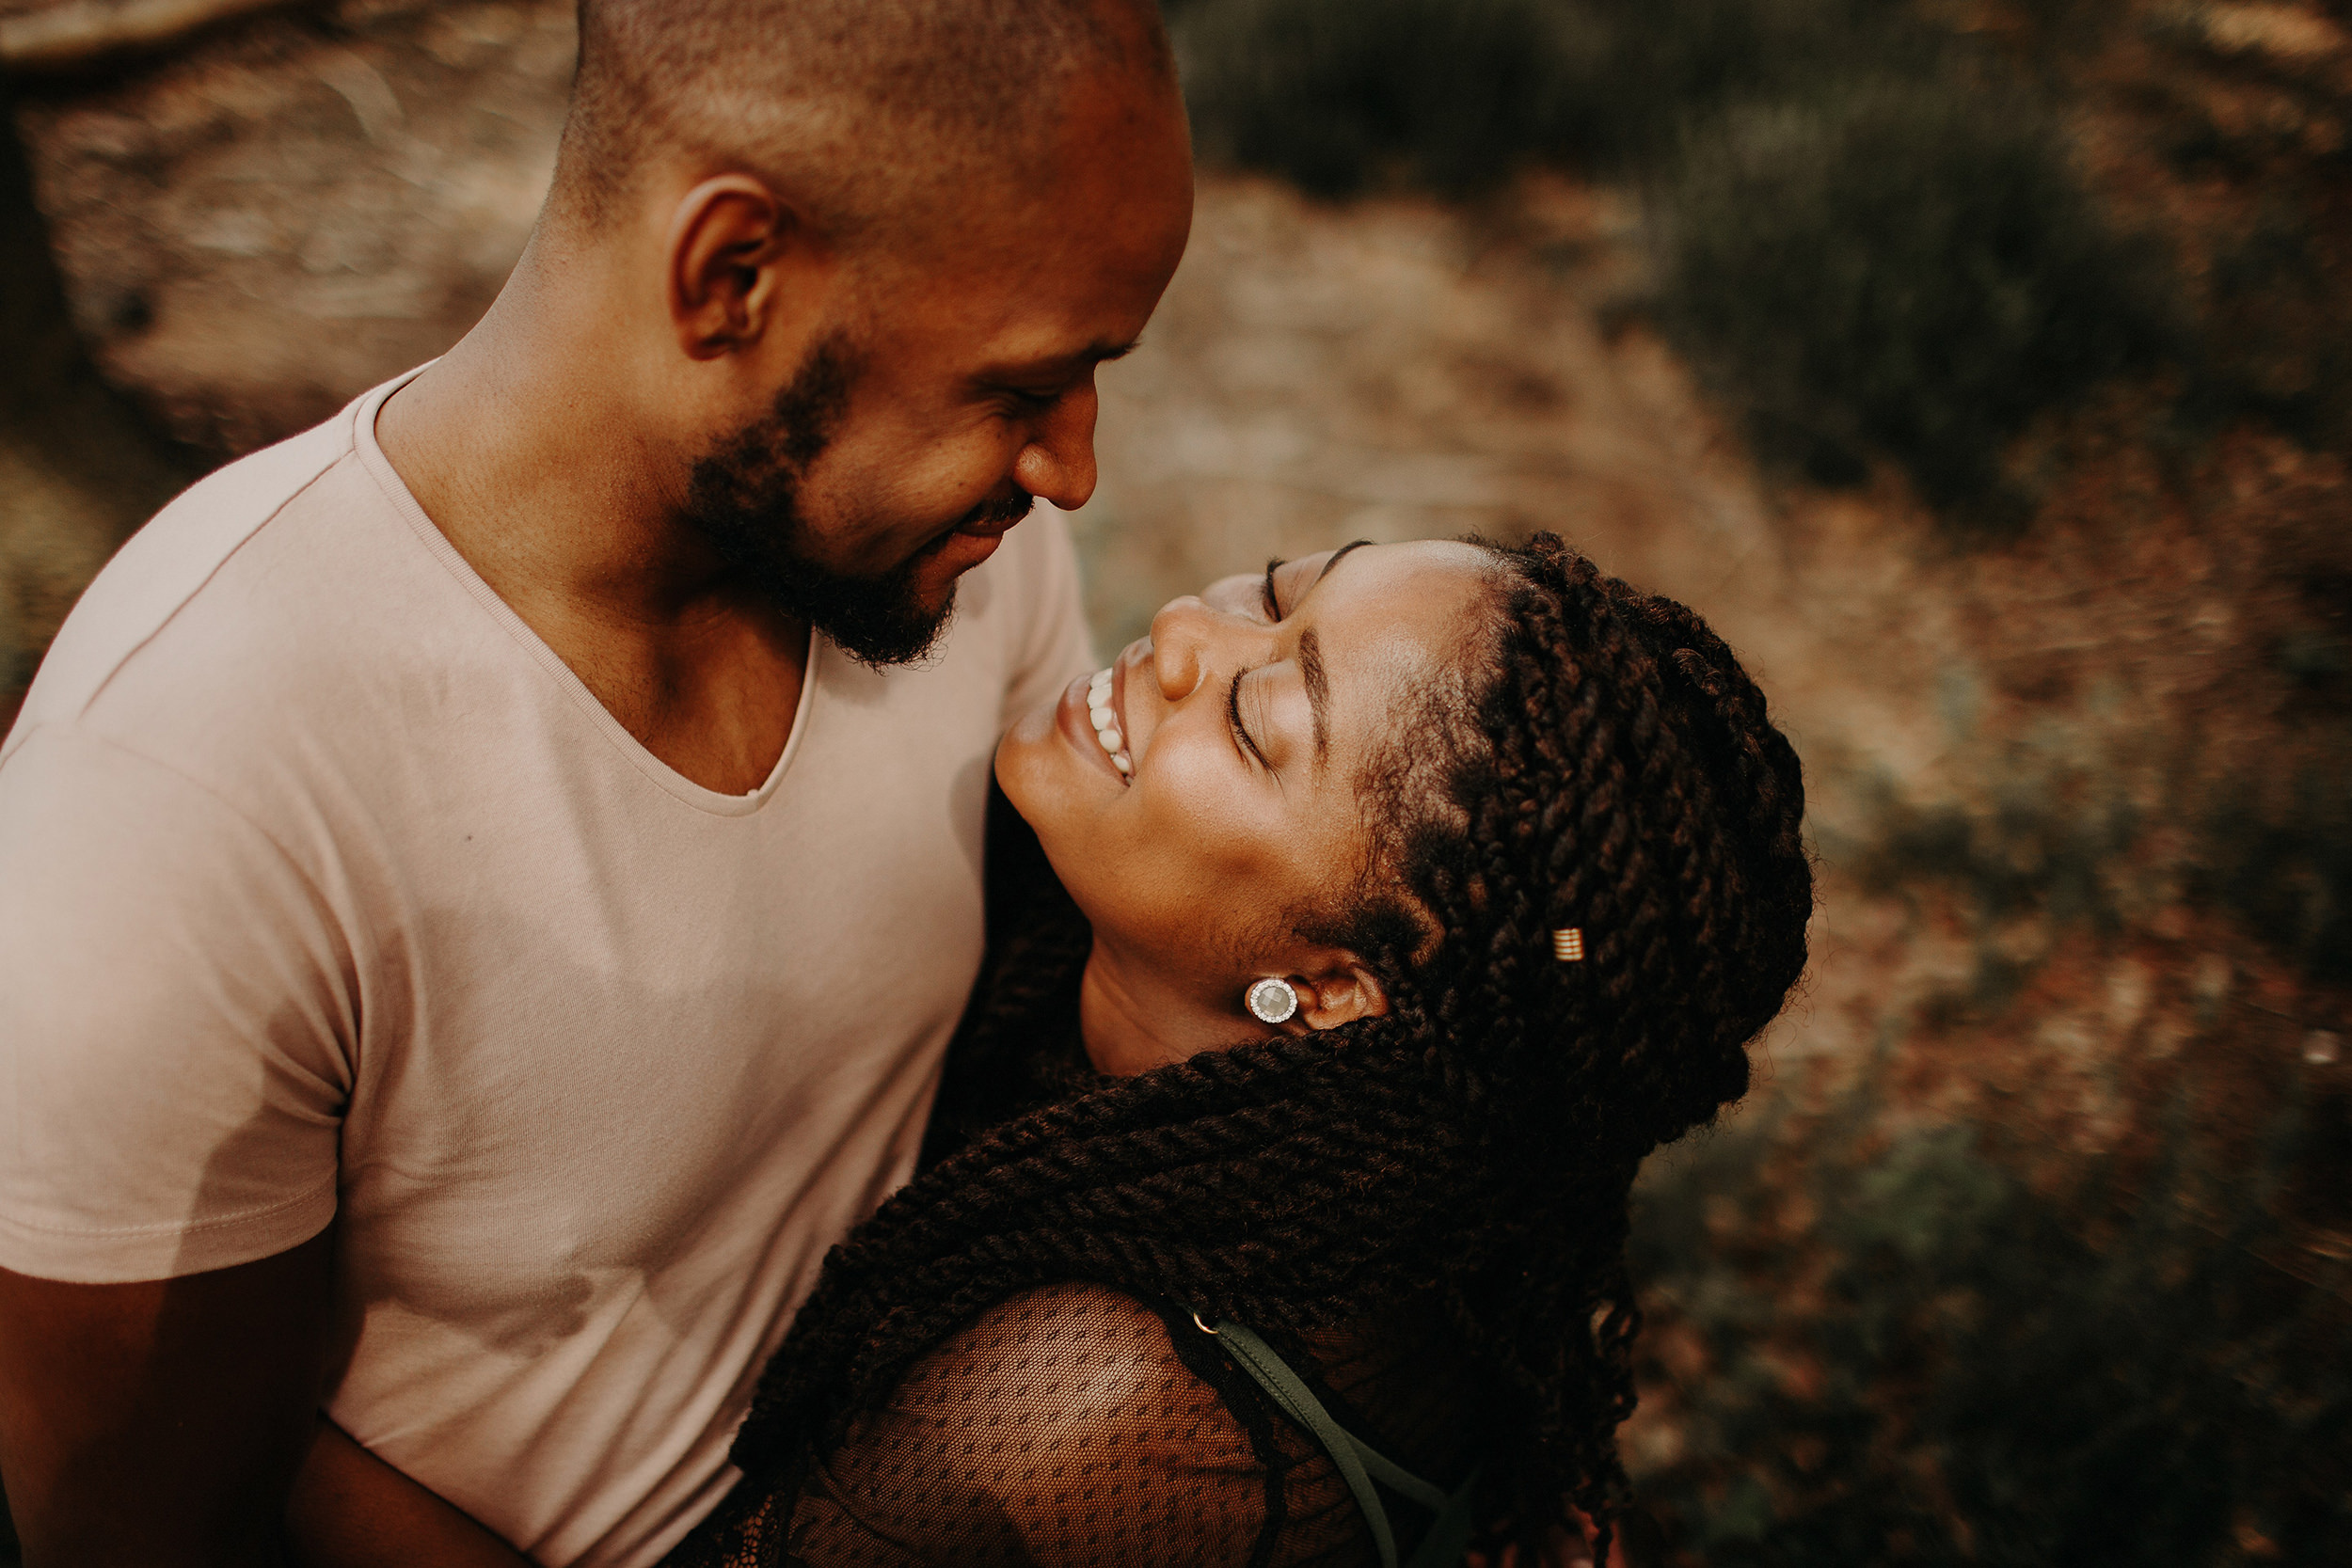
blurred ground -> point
(2079, 791)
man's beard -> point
(744, 499)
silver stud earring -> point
(1272, 1000)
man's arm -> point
(351, 1509)
(161, 1423)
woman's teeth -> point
(1107, 723)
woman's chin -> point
(1037, 777)
(1019, 757)
(1058, 797)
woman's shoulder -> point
(1075, 1369)
(1059, 1426)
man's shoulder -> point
(267, 596)
(126, 617)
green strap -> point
(1252, 1354)
(1357, 1461)
(1447, 1541)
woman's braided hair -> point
(1611, 767)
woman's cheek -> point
(1225, 826)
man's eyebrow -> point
(1047, 364)
(1318, 690)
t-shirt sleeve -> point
(1052, 646)
(173, 1020)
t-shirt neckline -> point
(396, 490)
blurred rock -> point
(2292, 38)
(67, 36)
(257, 231)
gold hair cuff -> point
(1567, 944)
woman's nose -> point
(1190, 640)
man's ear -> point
(728, 239)
(1342, 993)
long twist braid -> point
(1611, 767)
(1633, 788)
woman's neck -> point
(1134, 1018)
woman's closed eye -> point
(1299, 582)
(1243, 741)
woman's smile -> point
(1092, 718)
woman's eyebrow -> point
(1311, 660)
(1339, 555)
(1318, 690)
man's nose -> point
(1058, 462)
(1191, 641)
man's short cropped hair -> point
(864, 109)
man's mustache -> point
(998, 513)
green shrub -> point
(1450, 94)
(2288, 870)
(1872, 236)
(1344, 95)
(1991, 1373)
(1905, 266)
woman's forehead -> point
(1396, 562)
(1418, 591)
(1389, 617)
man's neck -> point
(521, 446)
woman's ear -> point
(1342, 994)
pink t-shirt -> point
(328, 892)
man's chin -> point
(894, 618)
(879, 622)
(905, 635)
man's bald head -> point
(866, 111)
